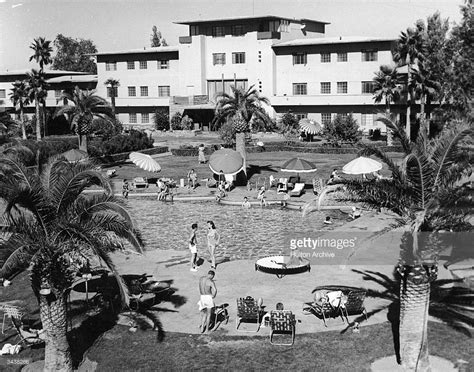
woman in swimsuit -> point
(212, 241)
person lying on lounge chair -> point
(356, 213)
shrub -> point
(133, 141)
(227, 133)
(106, 128)
(186, 123)
(343, 128)
(376, 135)
(161, 120)
(176, 121)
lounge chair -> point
(354, 304)
(282, 321)
(293, 181)
(111, 173)
(248, 310)
(140, 182)
(29, 337)
(297, 190)
(318, 186)
(282, 185)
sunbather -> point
(356, 213)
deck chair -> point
(318, 186)
(293, 180)
(282, 321)
(282, 185)
(248, 310)
(354, 304)
(27, 337)
(111, 173)
(297, 190)
(140, 182)
(327, 307)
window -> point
(238, 30)
(164, 91)
(300, 58)
(57, 93)
(300, 89)
(238, 57)
(143, 65)
(163, 65)
(301, 116)
(284, 26)
(215, 87)
(274, 26)
(110, 66)
(342, 87)
(112, 92)
(259, 56)
(145, 117)
(144, 91)
(218, 31)
(132, 91)
(218, 58)
(367, 87)
(369, 55)
(325, 57)
(325, 118)
(367, 120)
(3, 93)
(131, 65)
(342, 57)
(326, 88)
(194, 30)
(132, 118)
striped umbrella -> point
(297, 165)
(226, 160)
(309, 126)
(144, 161)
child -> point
(246, 203)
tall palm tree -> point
(42, 51)
(37, 91)
(55, 228)
(425, 192)
(409, 51)
(20, 98)
(387, 87)
(241, 108)
(113, 84)
(86, 106)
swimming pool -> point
(245, 233)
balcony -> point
(185, 39)
(265, 35)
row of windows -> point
(3, 93)
(301, 89)
(132, 118)
(142, 65)
(239, 30)
(219, 58)
(367, 56)
(367, 120)
(163, 91)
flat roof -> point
(299, 20)
(141, 51)
(47, 72)
(73, 79)
(332, 40)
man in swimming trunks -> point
(193, 246)
(208, 291)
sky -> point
(119, 25)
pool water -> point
(245, 233)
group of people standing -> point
(213, 240)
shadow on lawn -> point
(257, 169)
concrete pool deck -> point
(238, 278)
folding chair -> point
(282, 321)
(354, 304)
(247, 310)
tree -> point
(410, 51)
(288, 126)
(387, 87)
(87, 105)
(426, 194)
(343, 128)
(74, 54)
(112, 87)
(20, 98)
(161, 120)
(156, 39)
(240, 108)
(55, 228)
(37, 92)
(42, 51)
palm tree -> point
(20, 98)
(409, 51)
(42, 51)
(55, 228)
(113, 84)
(37, 92)
(241, 108)
(87, 105)
(425, 192)
(387, 87)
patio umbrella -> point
(297, 165)
(309, 126)
(75, 155)
(144, 161)
(226, 160)
(362, 165)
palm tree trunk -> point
(82, 142)
(240, 147)
(53, 316)
(414, 304)
(389, 131)
(112, 99)
(38, 119)
(408, 123)
(22, 121)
